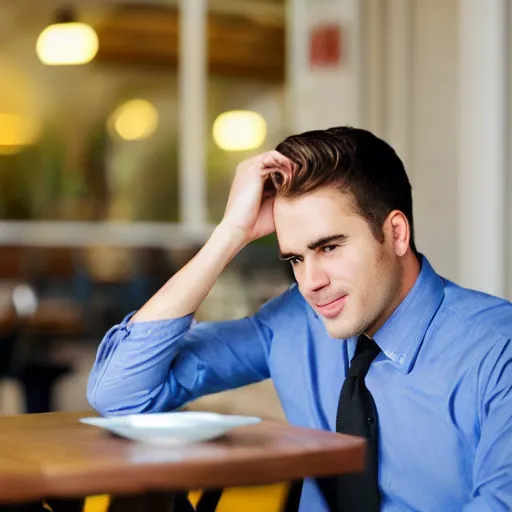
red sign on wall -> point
(325, 46)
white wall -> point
(434, 131)
(321, 97)
(410, 80)
(410, 94)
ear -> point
(400, 231)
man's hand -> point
(248, 216)
(248, 210)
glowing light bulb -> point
(64, 44)
(239, 130)
(134, 120)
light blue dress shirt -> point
(442, 385)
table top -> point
(54, 455)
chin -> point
(340, 330)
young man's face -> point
(350, 279)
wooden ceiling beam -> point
(237, 46)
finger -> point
(265, 171)
(276, 159)
(268, 156)
(279, 177)
(250, 162)
(282, 176)
(285, 168)
(271, 160)
(253, 160)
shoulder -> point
(479, 326)
(478, 313)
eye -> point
(329, 248)
(295, 260)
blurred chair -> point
(40, 307)
(59, 272)
(62, 290)
(13, 272)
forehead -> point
(324, 212)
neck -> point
(410, 271)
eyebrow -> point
(314, 245)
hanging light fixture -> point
(239, 130)
(67, 42)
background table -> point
(53, 455)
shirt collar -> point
(402, 334)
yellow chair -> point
(249, 499)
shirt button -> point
(371, 420)
(402, 359)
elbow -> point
(108, 399)
(100, 398)
(115, 400)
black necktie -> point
(357, 416)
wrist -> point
(233, 237)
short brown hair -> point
(356, 162)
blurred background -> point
(122, 122)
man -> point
(432, 374)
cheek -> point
(350, 266)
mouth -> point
(332, 309)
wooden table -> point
(53, 455)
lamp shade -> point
(239, 130)
(64, 44)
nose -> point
(314, 276)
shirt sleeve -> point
(160, 365)
(492, 475)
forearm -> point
(186, 290)
(158, 366)
(131, 373)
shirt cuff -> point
(155, 328)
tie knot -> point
(366, 351)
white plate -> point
(171, 427)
